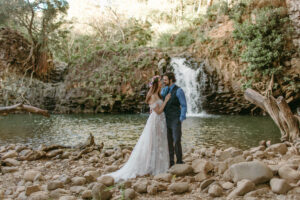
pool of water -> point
(221, 131)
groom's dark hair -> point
(171, 76)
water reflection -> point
(221, 131)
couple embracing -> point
(154, 152)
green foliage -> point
(265, 42)
(164, 40)
(137, 33)
(38, 18)
(237, 11)
(184, 38)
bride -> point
(150, 155)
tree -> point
(37, 20)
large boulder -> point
(255, 171)
(279, 186)
(181, 169)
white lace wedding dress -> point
(150, 155)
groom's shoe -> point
(171, 164)
(180, 162)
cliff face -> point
(294, 14)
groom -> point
(175, 112)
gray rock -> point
(55, 194)
(234, 151)
(110, 169)
(101, 192)
(65, 179)
(179, 188)
(53, 185)
(274, 168)
(166, 177)
(227, 185)
(31, 189)
(201, 165)
(106, 180)
(258, 192)
(215, 190)
(279, 186)
(288, 173)
(201, 177)
(41, 195)
(152, 189)
(10, 154)
(77, 189)
(68, 197)
(277, 148)
(78, 181)
(160, 186)
(11, 162)
(255, 171)
(129, 194)
(87, 194)
(223, 155)
(141, 186)
(9, 169)
(91, 176)
(206, 183)
(234, 160)
(181, 169)
(30, 175)
(243, 187)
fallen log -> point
(22, 107)
(279, 111)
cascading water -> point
(188, 79)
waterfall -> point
(192, 80)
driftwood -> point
(22, 107)
(58, 150)
(279, 111)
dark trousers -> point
(174, 140)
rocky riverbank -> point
(262, 172)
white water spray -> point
(187, 79)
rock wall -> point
(294, 14)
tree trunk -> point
(26, 108)
(279, 111)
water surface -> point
(220, 131)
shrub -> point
(184, 38)
(265, 41)
(164, 40)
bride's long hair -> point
(154, 88)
